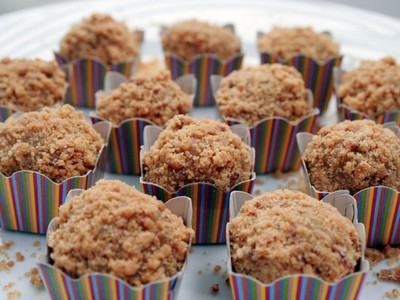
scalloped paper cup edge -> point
(180, 206)
(341, 200)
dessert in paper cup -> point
(158, 99)
(272, 114)
(362, 158)
(132, 272)
(29, 85)
(202, 159)
(44, 155)
(201, 49)
(318, 273)
(369, 92)
(313, 54)
(117, 49)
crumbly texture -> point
(353, 155)
(152, 96)
(188, 39)
(27, 85)
(112, 228)
(197, 150)
(270, 90)
(392, 274)
(56, 142)
(373, 88)
(374, 256)
(288, 42)
(287, 232)
(101, 37)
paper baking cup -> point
(86, 77)
(274, 139)
(127, 137)
(29, 200)
(6, 112)
(210, 204)
(300, 286)
(378, 206)
(347, 113)
(95, 286)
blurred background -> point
(389, 7)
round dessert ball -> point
(56, 142)
(271, 90)
(114, 229)
(189, 39)
(101, 37)
(286, 232)
(197, 150)
(373, 88)
(27, 84)
(288, 42)
(152, 96)
(353, 155)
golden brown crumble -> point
(287, 42)
(100, 36)
(374, 256)
(152, 96)
(30, 84)
(112, 228)
(287, 232)
(256, 93)
(56, 142)
(392, 274)
(373, 88)
(214, 289)
(191, 38)
(197, 150)
(353, 155)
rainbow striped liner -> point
(378, 206)
(299, 286)
(29, 200)
(274, 139)
(127, 137)
(203, 67)
(347, 113)
(86, 77)
(6, 112)
(210, 204)
(96, 286)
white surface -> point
(36, 33)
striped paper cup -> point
(86, 77)
(210, 204)
(378, 206)
(95, 286)
(318, 77)
(30, 200)
(345, 112)
(274, 139)
(300, 286)
(127, 137)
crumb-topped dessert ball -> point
(101, 37)
(114, 229)
(56, 142)
(373, 88)
(197, 150)
(288, 42)
(152, 96)
(286, 232)
(27, 85)
(189, 39)
(353, 155)
(270, 90)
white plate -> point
(37, 32)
